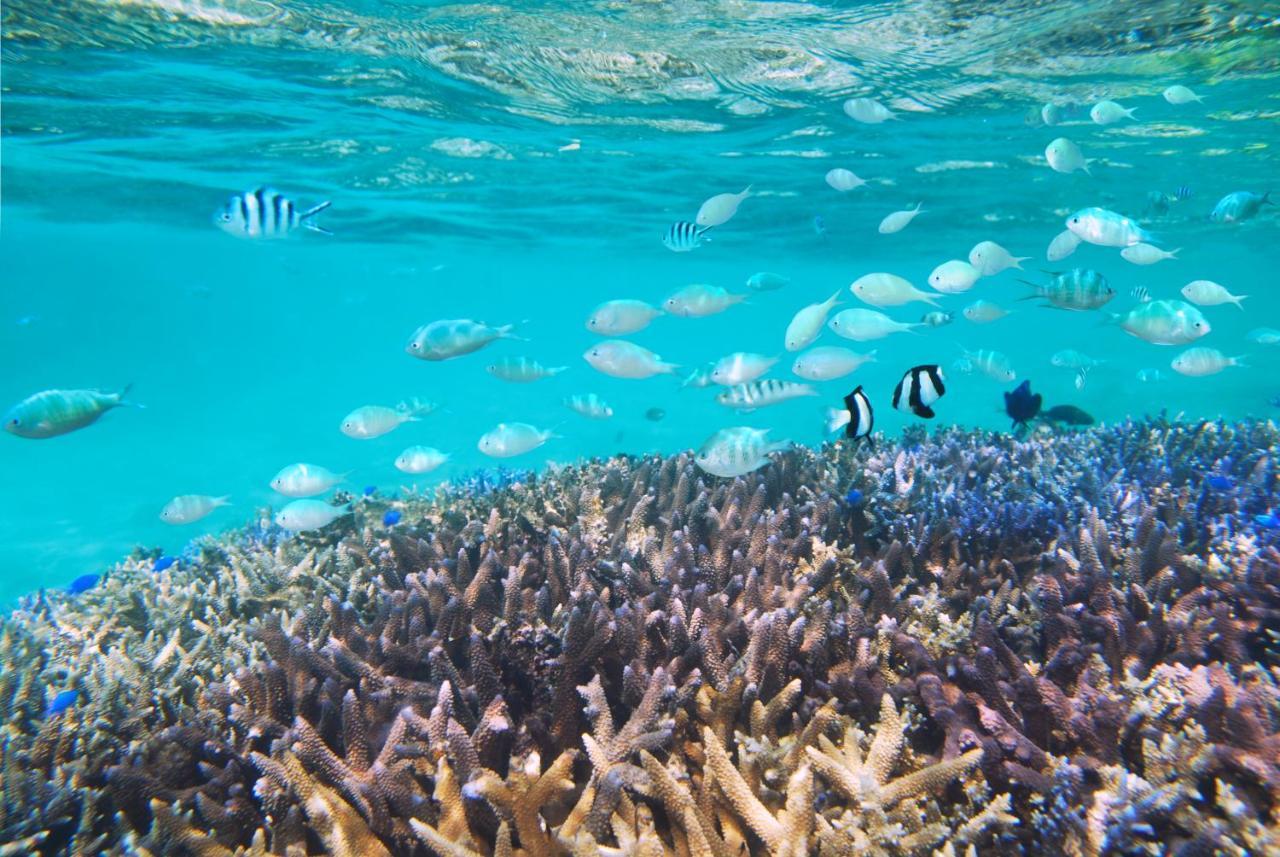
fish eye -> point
(225, 217)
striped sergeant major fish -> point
(1141, 294)
(266, 213)
(919, 388)
(856, 418)
(759, 394)
(683, 236)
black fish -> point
(1022, 405)
(1069, 414)
(856, 418)
(655, 414)
(919, 388)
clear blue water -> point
(519, 165)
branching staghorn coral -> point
(1072, 630)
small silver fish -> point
(590, 406)
(759, 394)
(1082, 377)
(266, 213)
(522, 370)
(937, 318)
(737, 451)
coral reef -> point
(1064, 644)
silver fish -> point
(1077, 289)
(737, 451)
(1164, 322)
(590, 406)
(760, 394)
(522, 370)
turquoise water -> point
(520, 165)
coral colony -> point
(1065, 645)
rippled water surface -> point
(519, 164)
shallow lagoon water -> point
(520, 165)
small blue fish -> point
(370, 490)
(819, 226)
(391, 518)
(163, 562)
(62, 702)
(1218, 482)
(1270, 522)
(854, 497)
(1183, 192)
(82, 584)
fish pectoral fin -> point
(314, 227)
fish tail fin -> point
(1173, 254)
(123, 402)
(871, 355)
(556, 370)
(929, 299)
(1239, 301)
(777, 446)
(1129, 111)
(746, 192)
(507, 331)
(668, 368)
(224, 500)
(317, 228)
(1018, 260)
(1085, 166)
(314, 210)
(1238, 360)
(836, 419)
(1266, 198)
(914, 327)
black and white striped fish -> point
(759, 394)
(266, 213)
(1082, 377)
(919, 388)
(856, 418)
(683, 236)
(1141, 294)
(1183, 192)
